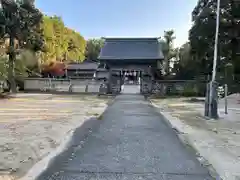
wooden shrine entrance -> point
(128, 81)
(133, 80)
(131, 63)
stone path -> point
(132, 142)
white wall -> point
(58, 85)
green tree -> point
(3, 68)
(17, 21)
(93, 48)
(76, 46)
(61, 43)
(202, 35)
(185, 67)
(168, 49)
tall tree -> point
(93, 48)
(202, 35)
(168, 49)
(185, 67)
(18, 19)
(61, 43)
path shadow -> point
(79, 136)
(195, 100)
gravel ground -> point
(33, 125)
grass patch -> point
(100, 117)
(96, 114)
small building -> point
(86, 69)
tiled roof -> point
(83, 66)
(131, 48)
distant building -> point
(85, 69)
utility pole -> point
(213, 112)
(216, 43)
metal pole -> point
(216, 43)
(215, 57)
(225, 98)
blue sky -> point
(123, 18)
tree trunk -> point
(167, 66)
(167, 90)
(11, 66)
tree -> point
(53, 69)
(61, 43)
(93, 48)
(185, 67)
(202, 35)
(168, 49)
(18, 19)
(3, 68)
(76, 47)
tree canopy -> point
(19, 23)
(202, 35)
(61, 42)
(31, 39)
(168, 49)
(184, 67)
(195, 58)
(93, 48)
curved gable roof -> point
(131, 48)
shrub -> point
(189, 91)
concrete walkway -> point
(132, 142)
(130, 89)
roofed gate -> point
(120, 56)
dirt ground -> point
(32, 125)
(218, 141)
